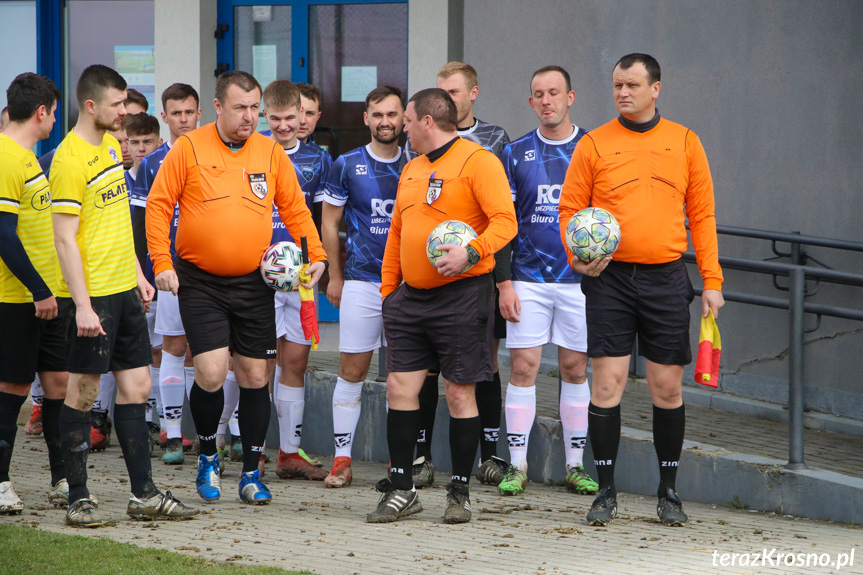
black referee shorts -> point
(227, 311)
(449, 325)
(126, 343)
(28, 344)
(650, 301)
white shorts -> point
(288, 324)
(361, 324)
(549, 313)
(168, 320)
(155, 338)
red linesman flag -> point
(709, 352)
(308, 314)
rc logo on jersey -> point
(308, 173)
(530, 155)
(362, 170)
(113, 155)
(258, 183)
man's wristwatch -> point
(472, 255)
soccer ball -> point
(592, 233)
(281, 265)
(448, 232)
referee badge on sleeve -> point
(258, 182)
(434, 190)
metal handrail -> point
(797, 308)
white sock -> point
(347, 401)
(172, 388)
(107, 386)
(154, 392)
(189, 377)
(520, 414)
(232, 399)
(36, 391)
(290, 406)
(574, 400)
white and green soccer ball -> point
(448, 232)
(281, 265)
(592, 233)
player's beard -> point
(101, 124)
(388, 139)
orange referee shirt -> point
(650, 182)
(226, 203)
(475, 191)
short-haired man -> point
(543, 301)
(136, 102)
(454, 180)
(146, 139)
(460, 81)
(105, 316)
(32, 339)
(226, 178)
(310, 112)
(282, 110)
(362, 189)
(645, 170)
(175, 375)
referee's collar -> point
(640, 127)
(435, 155)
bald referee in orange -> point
(226, 178)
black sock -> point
(489, 403)
(75, 443)
(428, 409)
(253, 416)
(603, 428)
(206, 408)
(51, 428)
(401, 430)
(669, 426)
(464, 434)
(10, 407)
(134, 439)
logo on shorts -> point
(516, 439)
(343, 439)
(258, 183)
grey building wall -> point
(772, 88)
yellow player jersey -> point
(24, 191)
(88, 181)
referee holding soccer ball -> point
(649, 173)
(226, 178)
(443, 313)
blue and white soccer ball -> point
(281, 265)
(448, 232)
(592, 233)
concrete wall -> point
(770, 87)
(185, 50)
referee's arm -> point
(163, 196)
(391, 268)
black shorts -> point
(499, 322)
(449, 325)
(651, 301)
(227, 311)
(126, 343)
(28, 344)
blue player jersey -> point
(492, 138)
(312, 165)
(536, 168)
(366, 186)
(144, 181)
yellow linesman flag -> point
(709, 352)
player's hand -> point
(592, 269)
(168, 281)
(510, 305)
(711, 299)
(454, 262)
(147, 292)
(88, 322)
(46, 308)
(334, 290)
(316, 270)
